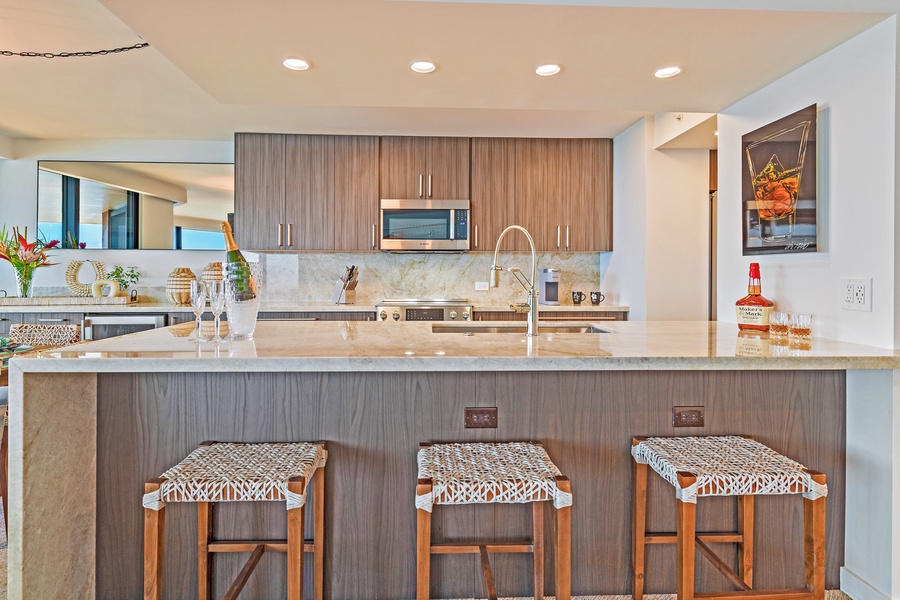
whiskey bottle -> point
(754, 308)
(237, 269)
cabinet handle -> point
(567, 237)
(476, 236)
(291, 235)
(280, 235)
(420, 185)
(373, 236)
(557, 237)
(429, 185)
(50, 320)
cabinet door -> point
(587, 195)
(447, 168)
(539, 203)
(355, 192)
(309, 192)
(259, 191)
(402, 167)
(493, 190)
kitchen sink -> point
(471, 328)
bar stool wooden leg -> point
(814, 541)
(639, 527)
(745, 547)
(564, 544)
(686, 532)
(154, 528)
(537, 524)
(296, 485)
(204, 535)
(423, 543)
(319, 534)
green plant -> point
(126, 276)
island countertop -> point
(281, 346)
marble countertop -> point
(145, 307)
(374, 346)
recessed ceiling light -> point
(667, 72)
(295, 64)
(547, 70)
(422, 66)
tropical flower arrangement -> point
(24, 257)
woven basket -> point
(178, 285)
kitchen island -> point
(90, 424)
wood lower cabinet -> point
(9, 319)
(317, 316)
(425, 167)
(493, 190)
(556, 315)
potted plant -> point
(125, 276)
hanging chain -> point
(71, 54)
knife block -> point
(341, 295)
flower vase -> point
(24, 281)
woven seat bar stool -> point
(725, 466)
(234, 472)
(482, 473)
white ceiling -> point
(213, 66)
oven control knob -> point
(382, 315)
(396, 315)
(465, 315)
(452, 314)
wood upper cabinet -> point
(259, 180)
(420, 167)
(355, 192)
(305, 192)
(493, 191)
(564, 193)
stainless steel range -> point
(424, 309)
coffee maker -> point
(549, 287)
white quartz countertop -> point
(413, 346)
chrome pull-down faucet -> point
(531, 306)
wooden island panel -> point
(373, 423)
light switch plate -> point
(481, 286)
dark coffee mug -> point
(577, 297)
(597, 297)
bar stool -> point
(232, 472)
(725, 466)
(481, 473)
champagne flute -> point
(198, 304)
(217, 304)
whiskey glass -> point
(800, 332)
(779, 323)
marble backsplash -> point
(310, 277)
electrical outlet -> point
(687, 416)
(481, 418)
(856, 293)
(481, 286)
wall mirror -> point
(130, 205)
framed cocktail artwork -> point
(779, 186)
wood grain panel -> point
(402, 163)
(319, 316)
(496, 315)
(373, 423)
(309, 192)
(539, 203)
(447, 163)
(355, 192)
(587, 194)
(493, 189)
(713, 170)
(258, 189)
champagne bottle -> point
(237, 269)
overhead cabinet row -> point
(321, 192)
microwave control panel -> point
(461, 224)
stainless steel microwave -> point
(425, 225)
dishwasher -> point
(100, 327)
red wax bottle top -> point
(754, 270)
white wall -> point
(659, 266)
(854, 87)
(157, 223)
(18, 201)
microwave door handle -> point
(452, 220)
